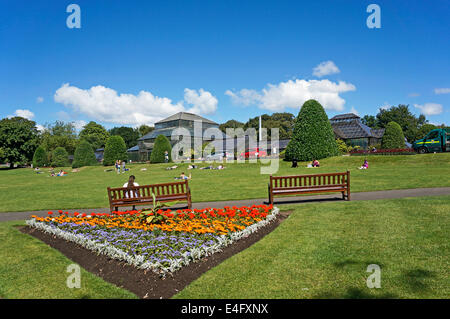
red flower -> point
(50, 213)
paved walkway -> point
(399, 193)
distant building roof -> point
(378, 132)
(186, 116)
(346, 116)
(133, 149)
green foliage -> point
(393, 137)
(401, 114)
(115, 149)
(40, 157)
(370, 121)
(19, 138)
(59, 134)
(128, 134)
(161, 145)
(84, 155)
(60, 157)
(344, 148)
(313, 137)
(95, 134)
(283, 121)
(144, 129)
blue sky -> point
(222, 59)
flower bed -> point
(174, 240)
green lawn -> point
(23, 190)
(323, 250)
(31, 269)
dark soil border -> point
(147, 284)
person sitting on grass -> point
(315, 163)
(220, 167)
(38, 170)
(192, 166)
(171, 167)
(365, 165)
(183, 177)
(61, 173)
(294, 163)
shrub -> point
(393, 136)
(84, 155)
(115, 149)
(60, 157)
(161, 145)
(313, 136)
(40, 157)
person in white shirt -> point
(129, 184)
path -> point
(399, 193)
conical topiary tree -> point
(60, 157)
(84, 155)
(313, 136)
(40, 157)
(161, 145)
(393, 136)
(115, 149)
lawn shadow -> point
(353, 293)
(416, 279)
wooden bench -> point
(141, 195)
(308, 184)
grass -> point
(23, 190)
(322, 251)
(31, 269)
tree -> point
(161, 145)
(128, 134)
(95, 134)
(393, 137)
(40, 157)
(60, 157)
(401, 114)
(19, 138)
(370, 121)
(145, 129)
(313, 137)
(230, 124)
(59, 134)
(115, 149)
(84, 155)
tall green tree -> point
(424, 130)
(313, 137)
(95, 134)
(40, 157)
(19, 138)
(128, 134)
(115, 149)
(59, 134)
(144, 129)
(401, 114)
(393, 137)
(84, 155)
(161, 145)
(60, 157)
(370, 121)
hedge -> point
(313, 136)
(84, 155)
(40, 157)
(393, 136)
(161, 145)
(115, 149)
(60, 157)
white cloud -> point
(325, 68)
(203, 102)
(106, 105)
(413, 94)
(385, 106)
(430, 108)
(40, 127)
(23, 113)
(79, 124)
(442, 91)
(293, 93)
(39, 99)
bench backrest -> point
(145, 191)
(328, 179)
